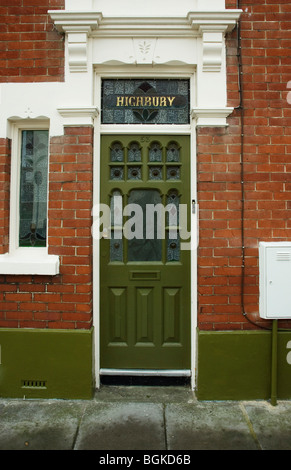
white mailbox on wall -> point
(275, 280)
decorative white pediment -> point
(145, 31)
(193, 39)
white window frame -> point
(24, 260)
(167, 129)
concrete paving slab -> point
(122, 426)
(39, 425)
(271, 424)
(207, 426)
(144, 418)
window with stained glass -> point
(144, 248)
(116, 242)
(33, 188)
(145, 101)
(140, 171)
(173, 237)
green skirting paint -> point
(46, 364)
(232, 365)
(237, 365)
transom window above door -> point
(145, 101)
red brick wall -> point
(232, 214)
(266, 192)
(31, 50)
(5, 155)
(65, 300)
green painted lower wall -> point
(46, 364)
(236, 365)
(232, 365)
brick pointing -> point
(265, 33)
(5, 156)
(63, 301)
(31, 50)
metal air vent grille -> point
(32, 384)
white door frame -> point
(99, 129)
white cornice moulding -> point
(80, 25)
(66, 20)
(78, 115)
(77, 26)
(211, 117)
(128, 26)
(145, 26)
(227, 18)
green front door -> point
(145, 275)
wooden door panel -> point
(172, 316)
(145, 282)
(144, 315)
(117, 315)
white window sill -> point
(34, 261)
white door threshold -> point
(146, 373)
